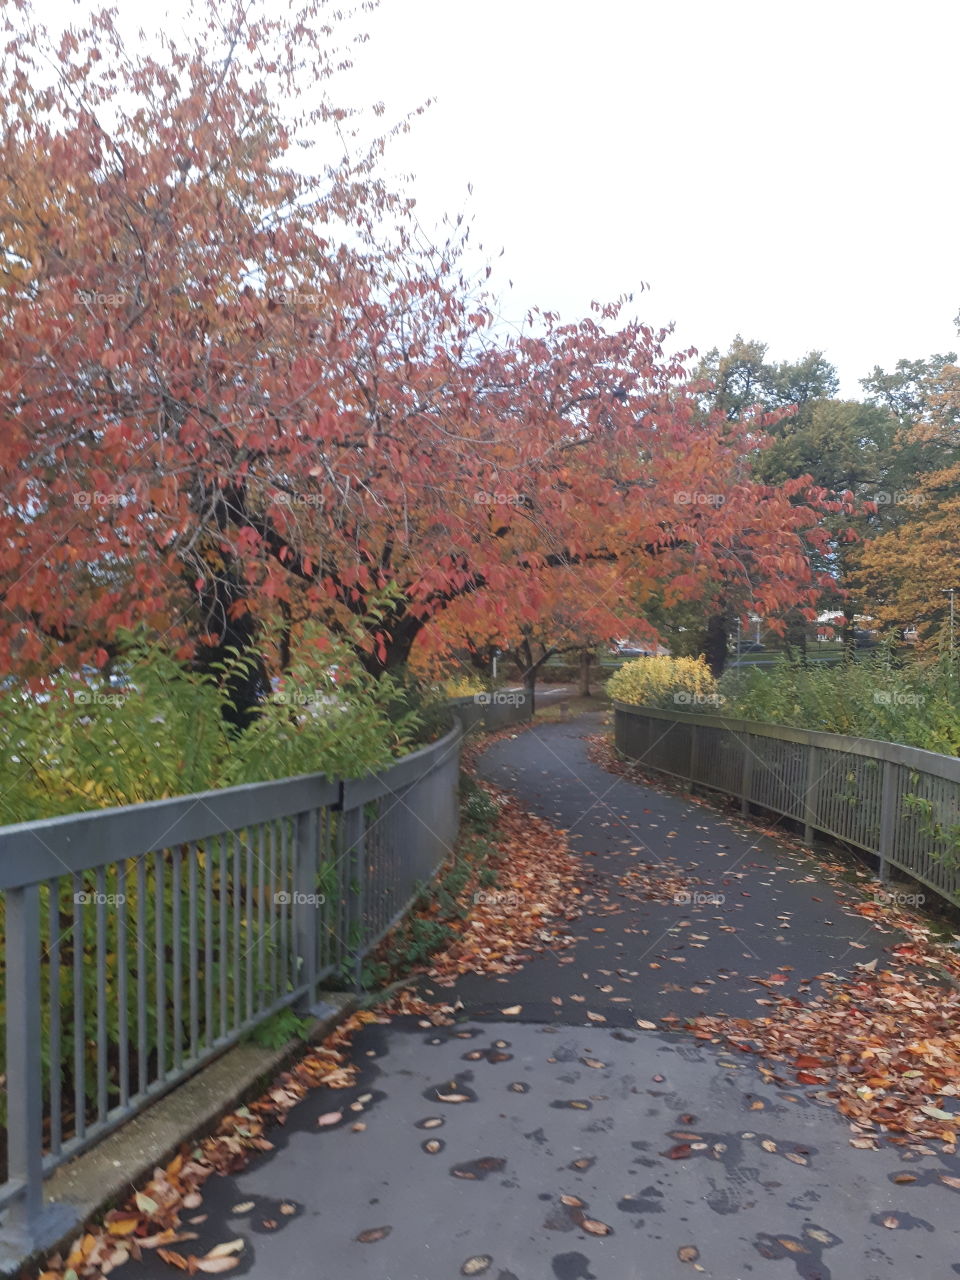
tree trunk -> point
(716, 639)
(848, 639)
(523, 656)
(285, 636)
(795, 641)
(246, 681)
(586, 658)
(397, 638)
(530, 684)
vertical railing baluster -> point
(193, 957)
(746, 779)
(303, 916)
(810, 794)
(176, 895)
(248, 939)
(55, 1047)
(161, 969)
(327, 918)
(259, 1001)
(272, 911)
(24, 1068)
(100, 916)
(284, 889)
(143, 1051)
(353, 836)
(888, 816)
(236, 888)
(123, 1029)
(208, 984)
(79, 1012)
(224, 932)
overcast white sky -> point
(782, 169)
(787, 170)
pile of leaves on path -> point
(883, 1046)
(535, 898)
(162, 1215)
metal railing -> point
(899, 803)
(143, 941)
(493, 711)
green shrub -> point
(162, 733)
(880, 696)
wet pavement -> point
(551, 1144)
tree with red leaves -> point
(235, 391)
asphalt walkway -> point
(552, 1145)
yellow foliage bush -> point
(461, 686)
(680, 683)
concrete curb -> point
(109, 1172)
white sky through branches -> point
(784, 170)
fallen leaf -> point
(372, 1235)
(225, 1250)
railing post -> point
(693, 753)
(305, 914)
(29, 1224)
(354, 862)
(24, 1077)
(888, 817)
(811, 794)
(746, 783)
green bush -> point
(880, 696)
(162, 733)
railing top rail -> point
(931, 762)
(31, 852)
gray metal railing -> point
(143, 941)
(900, 803)
(493, 711)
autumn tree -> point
(238, 388)
(568, 611)
(905, 570)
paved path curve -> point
(536, 1148)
